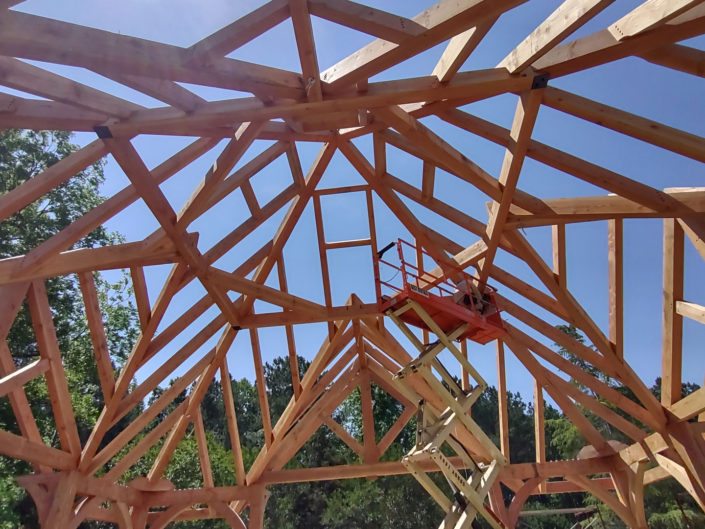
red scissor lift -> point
(452, 305)
(448, 303)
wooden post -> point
(502, 401)
(672, 366)
(615, 260)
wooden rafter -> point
(356, 98)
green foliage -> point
(23, 155)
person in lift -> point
(467, 291)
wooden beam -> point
(57, 385)
(110, 207)
(202, 443)
(678, 57)
(123, 255)
(671, 368)
(502, 400)
(139, 286)
(20, 405)
(261, 387)
(626, 188)
(53, 176)
(459, 49)
(696, 237)
(231, 418)
(559, 257)
(428, 178)
(33, 80)
(524, 118)
(569, 16)
(98, 338)
(240, 32)
(290, 341)
(647, 130)
(649, 15)
(368, 422)
(602, 47)
(428, 142)
(539, 424)
(442, 20)
(615, 263)
(37, 38)
(386, 26)
(691, 310)
(303, 33)
(14, 380)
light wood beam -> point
(559, 257)
(57, 384)
(368, 421)
(678, 57)
(40, 255)
(97, 331)
(13, 381)
(524, 118)
(261, 387)
(502, 400)
(291, 217)
(139, 286)
(428, 178)
(367, 19)
(691, 310)
(202, 444)
(615, 263)
(163, 90)
(594, 174)
(289, 329)
(602, 47)
(427, 141)
(649, 15)
(34, 80)
(36, 38)
(539, 424)
(627, 123)
(459, 49)
(672, 361)
(569, 16)
(231, 418)
(194, 400)
(306, 45)
(695, 233)
(441, 20)
(53, 176)
(240, 32)
(564, 297)
(123, 255)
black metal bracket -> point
(103, 132)
(540, 81)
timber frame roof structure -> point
(336, 109)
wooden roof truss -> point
(333, 107)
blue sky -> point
(630, 84)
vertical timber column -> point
(539, 429)
(502, 401)
(615, 260)
(672, 361)
(559, 259)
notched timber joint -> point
(103, 132)
(237, 328)
(540, 81)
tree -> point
(24, 155)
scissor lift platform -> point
(436, 294)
